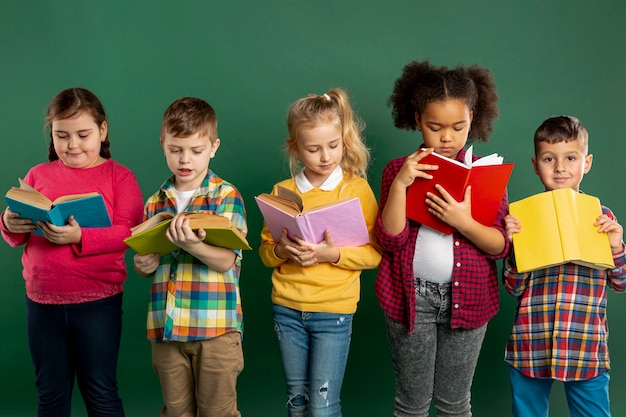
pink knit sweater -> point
(95, 268)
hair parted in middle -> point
(333, 107)
(562, 129)
(422, 83)
(71, 102)
(187, 116)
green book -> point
(149, 236)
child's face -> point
(562, 164)
(445, 125)
(320, 149)
(77, 140)
(188, 158)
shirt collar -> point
(329, 184)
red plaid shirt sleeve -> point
(474, 279)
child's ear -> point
(161, 140)
(418, 121)
(214, 147)
(588, 162)
(534, 161)
(104, 129)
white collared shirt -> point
(329, 184)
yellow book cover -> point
(149, 236)
(556, 228)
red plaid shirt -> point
(560, 330)
(474, 277)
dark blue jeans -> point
(76, 341)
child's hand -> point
(455, 213)
(325, 251)
(62, 235)
(145, 265)
(411, 168)
(294, 250)
(511, 225)
(16, 225)
(180, 233)
(614, 230)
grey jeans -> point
(436, 361)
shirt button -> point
(172, 275)
(458, 264)
(456, 283)
(456, 306)
(457, 243)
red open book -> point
(488, 177)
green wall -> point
(250, 60)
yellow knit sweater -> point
(326, 287)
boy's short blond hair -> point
(562, 129)
(187, 116)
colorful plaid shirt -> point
(474, 277)
(560, 329)
(188, 300)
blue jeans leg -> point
(589, 398)
(76, 341)
(314, 351)
(531, 396)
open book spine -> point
(568, 220)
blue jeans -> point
(531, 396)
(314, 351)
(76, 341)
(435, 362)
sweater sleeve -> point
(365, 256)
(126, 212)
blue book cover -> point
(89, 209)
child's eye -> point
(458, 129)
(62, 136)
(548, 159)
(83, 136)
(571, 158)
(333, 146)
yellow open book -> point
(557, 227)
(149, 236)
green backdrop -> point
(250, 60)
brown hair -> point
(562, 129)
(187, 116)
(71, 102)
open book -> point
(557, 227)
(344, 218)
(149, 236)
(88, 209)
(488, 177)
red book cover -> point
(488, 187)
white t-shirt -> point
(434, 257)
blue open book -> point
(88, 209)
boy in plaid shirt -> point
(560, 330)
(195, 318)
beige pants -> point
(199, 378)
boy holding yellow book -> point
(560, 330)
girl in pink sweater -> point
(74, 274)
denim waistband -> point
(419, 282)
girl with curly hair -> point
(438, 291)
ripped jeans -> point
(314, 351)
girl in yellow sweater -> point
(316, 286)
